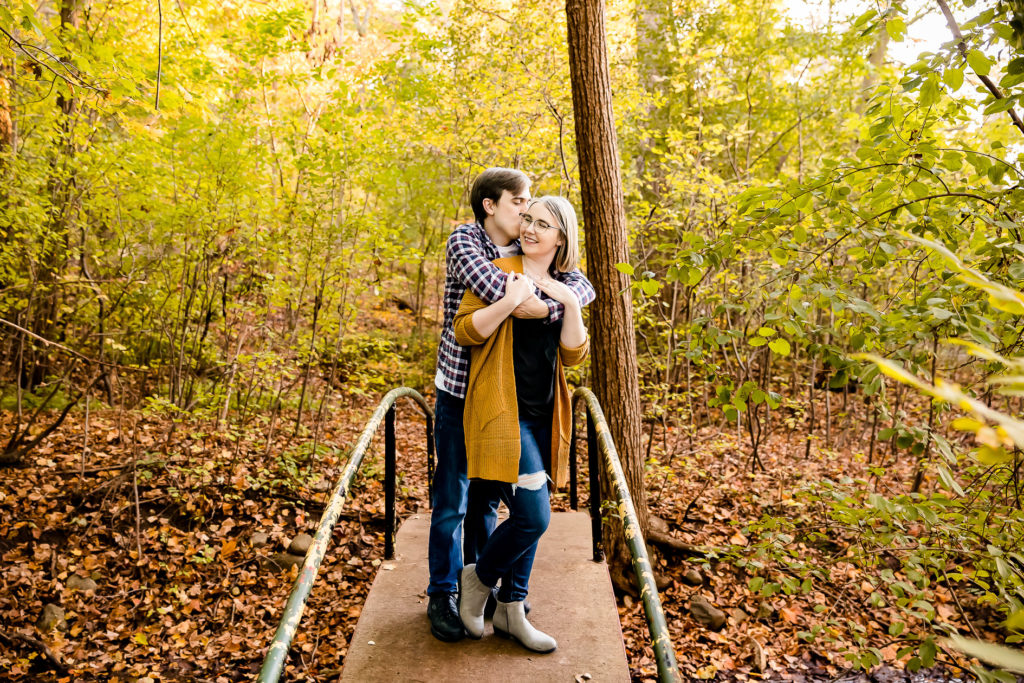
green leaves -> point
(649, 287)
(1000, 105)
(896, 28)
(1015, 622)
(996, 655)
(930, 90)
(978, 62)
(927, 651)
(953, 78)
(780, 256)
(779, 346)
(946, 477)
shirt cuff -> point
(465, 331)
(574, 355)
(554, 311)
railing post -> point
(389, 484)
(595, 488)
(574, 497)
(430, 460)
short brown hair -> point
(491, 184)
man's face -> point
(504, 214)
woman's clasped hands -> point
(559, 292)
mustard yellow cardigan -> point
(491, 417)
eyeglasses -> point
(526, 219)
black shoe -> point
(492, 604)
(443, 612)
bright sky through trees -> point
(927, 33)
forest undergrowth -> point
(778, 624)
(166, 516)
(222, 240)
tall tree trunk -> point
(6, 122)
(876, 59)
(604, 216)
(6, 153)
(56, 238)
(314, 24)
(361, 23)
(656, 48)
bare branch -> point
(159, 50)
(65, 349)
(962, 47)
(41, 647)
(76, 78)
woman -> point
(517, 416)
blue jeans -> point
(450, 500)
(509, 552)
(481, 517)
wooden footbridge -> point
(570, 587)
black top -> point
(534, 352)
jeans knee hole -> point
(532, 482)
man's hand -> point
(531, 308)
(518, 288)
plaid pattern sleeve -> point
(580, 285)
(468, 257)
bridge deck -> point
(572, 600)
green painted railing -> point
(599, 445)
(599, 442)
(275, 659)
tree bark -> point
(961, 45)
(616, 381)
(876, 59)
(656, 48)
(6, 122)
(314, 24)
(361, 23)
(56, 243)
(7, 149)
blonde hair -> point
(568, 255)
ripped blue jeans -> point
(509, 552)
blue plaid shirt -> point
(469, 256)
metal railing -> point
(600, 443)
(275, 659)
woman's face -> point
(539, 234)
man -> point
(498, 197)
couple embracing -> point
(512, 319)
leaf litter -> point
(184, 591)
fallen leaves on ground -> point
(184, 592)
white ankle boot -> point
(472, 598)
(510, 621)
